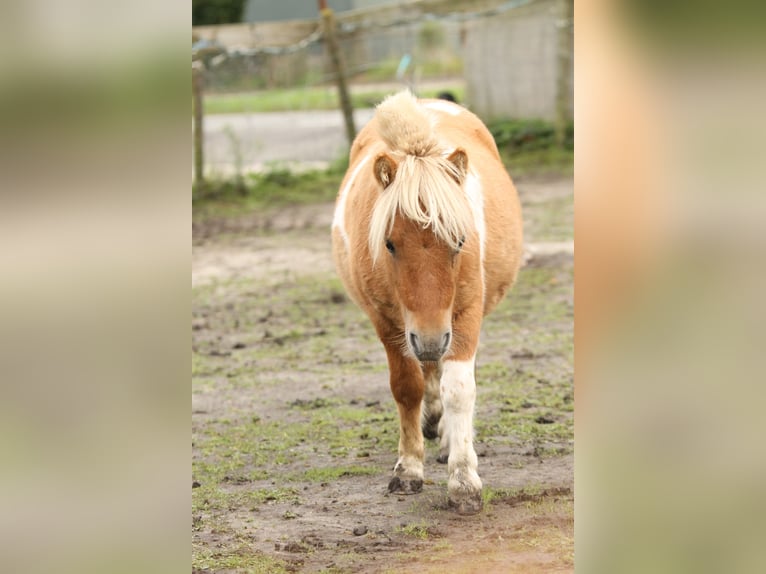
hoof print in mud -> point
(405, 486)
(467, 504)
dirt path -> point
(294, 429)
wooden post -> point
(564, 67)
(197, 87)
(336, 58)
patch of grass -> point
(528, 496)
(516, 135)
(304, 99)
(528, 147)
(240, 559)
(241, 451)
(210, 497)
(332, 473)
(341, 435)
(550, 161)
(272, 495)
(203, 366)
(530, 398)
(419, 530)
(277, 187)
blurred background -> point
(94, 249)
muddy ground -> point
(295, 431)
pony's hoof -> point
(466, 504)
(405, 486)
(442, 458)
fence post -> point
(564, 69)
(198, 80)
(328, 28)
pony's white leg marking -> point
(458, 391)
(445, 106)
(338, 220)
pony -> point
(427, 239)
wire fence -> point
(501, 58)
(401, 43)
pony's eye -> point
(460, 243)
(390, 246)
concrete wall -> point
(511, 63)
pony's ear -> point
(385, 169)
(460, 160)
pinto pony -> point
(427, 238)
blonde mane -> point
(425, 188)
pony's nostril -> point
(415, 343)
(446, 340)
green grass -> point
(240, 559)
(529, 146)
(327, 474)
(539, 162)
(278, 187)
(528, 496)
(288, 99)
(419, 530)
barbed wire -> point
(348, 28)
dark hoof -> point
(442, 458)
(466, 504)
(405, 486)
(431, 427)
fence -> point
(509, 59)
(509, 55)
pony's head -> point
(420, 223)
(418, 233)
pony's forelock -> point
(426, 191)
(425, 188)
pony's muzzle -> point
(430, 348)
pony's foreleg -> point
(407, 387)
(458, 392)
(432, 402)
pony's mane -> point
(425, 188)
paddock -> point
(295, 430)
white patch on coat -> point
(458, 390)
(338, 220)
(445, 106)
